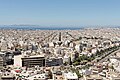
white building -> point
(37, 77)
(66, 58)
(70, 76)
(18, 60)
(78, 48)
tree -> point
(76, 63)
(65, 63)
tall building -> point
(59, 36)
(18, 60)
(2, 58)
(1, 63)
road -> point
(102, 58)
(109, 55)
(47, 37)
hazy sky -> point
(60, 12)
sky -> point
(60, 12)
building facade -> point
(33, 61)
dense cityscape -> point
(59, 39)
(84, 54)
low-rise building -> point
(70, 76)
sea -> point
(40, 28)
